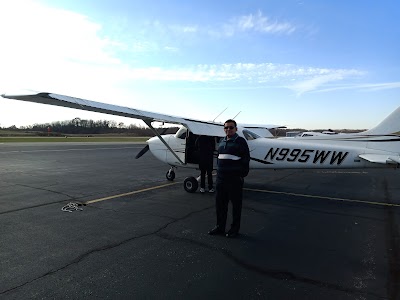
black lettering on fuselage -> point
(338, 156)
(294, 154)
(271, 153)
(321, 156)
(303, 156)
(283, 153)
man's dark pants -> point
(206, 167)
(203, 172)
(229, 189)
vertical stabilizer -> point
(390, 125)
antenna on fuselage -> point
(220, 114)
(236, 115)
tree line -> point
(86, 127)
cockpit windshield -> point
(249, 135)
(181, 133)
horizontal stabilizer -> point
(381, 158)
(262, 130)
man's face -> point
(230, 129)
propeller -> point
(146, 148)
(143, 151)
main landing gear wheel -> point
(190, 184)
(170, 175)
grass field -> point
(37, 139)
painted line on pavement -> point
(130, 193)
(324, 197)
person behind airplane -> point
(233, 166)
(206, 146)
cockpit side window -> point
(250, 135)
(181, 133)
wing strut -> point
(148, 123)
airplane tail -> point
(390, 125)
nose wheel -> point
(170, 174)
(190, 184)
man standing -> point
(206, 146)
(233, 166)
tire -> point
(170, 175)
(190, 184)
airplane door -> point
(191, 153)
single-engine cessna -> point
(378, 147)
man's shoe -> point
(216, 231)
(211, 191)
(202, 190)
(232, 234)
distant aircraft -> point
(378, 147)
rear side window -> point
(250, 135)
(181, 133)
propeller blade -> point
(143, 151)
(146, 148)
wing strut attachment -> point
(148, 123)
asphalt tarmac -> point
(314, 234)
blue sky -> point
(308, 64)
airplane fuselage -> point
(339, 152)
(277, 154)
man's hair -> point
(231, 121)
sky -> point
(297, 63)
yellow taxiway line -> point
(248, 189)
(323, 197)
(130, 193)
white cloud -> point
(41, 32)
(260, 23)
(51, 49)
(43, 46)
(380, 86)
(299, 79)
(185, 29)
(313, 79)
(366, 87)
(240, 24)
(257, 23)
(171, 49)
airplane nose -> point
(158, 148)
(154, 143)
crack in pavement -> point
(41, 204)
(271, 273)
(81, 257)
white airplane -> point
(378, 147)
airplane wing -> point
(195, 126)
(381, 158)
